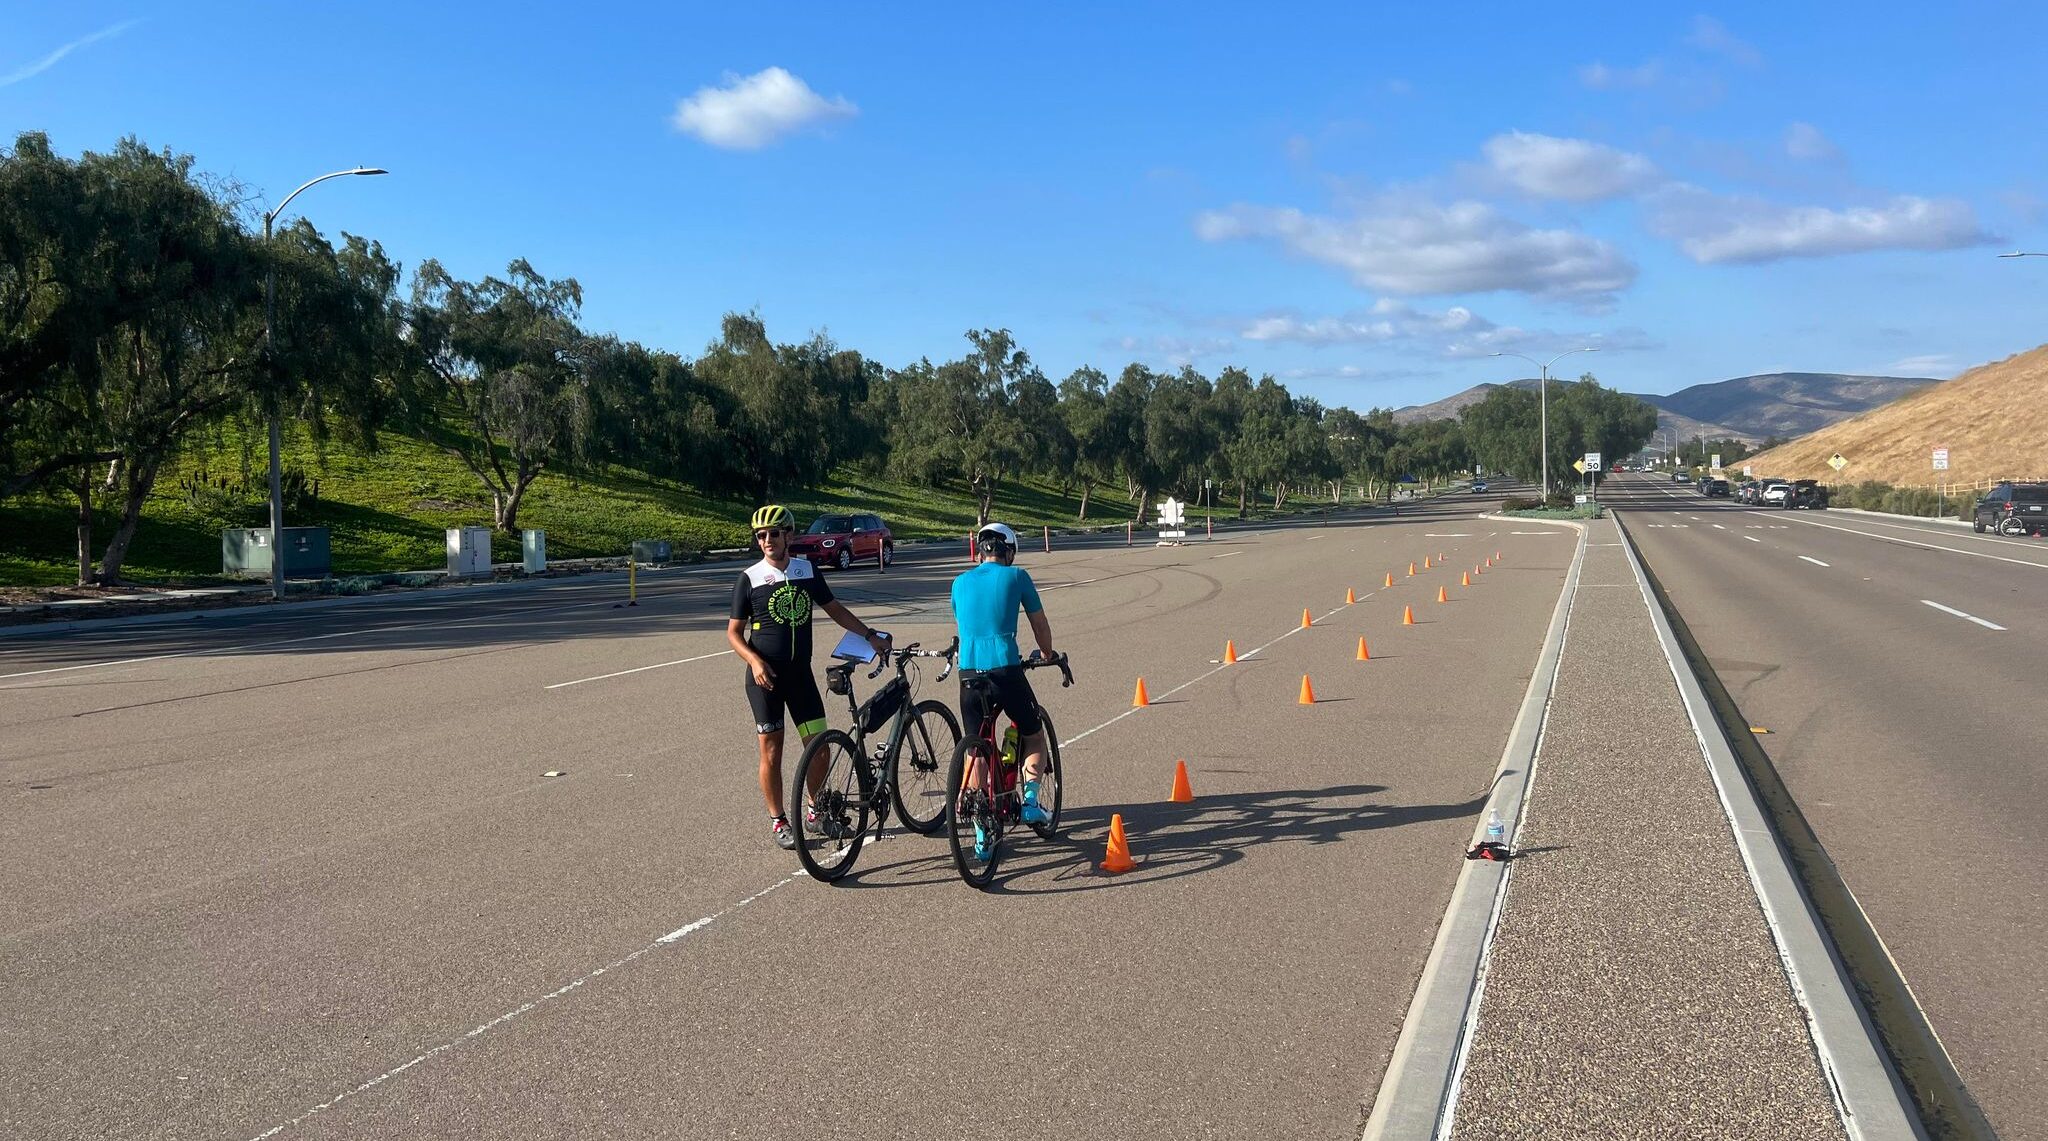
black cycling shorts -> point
(1012, 693)
(796, 691)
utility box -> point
(245, 551)
(469, 552)
(652, 550)
(533, 549)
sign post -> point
(1592, 462)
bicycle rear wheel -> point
(918, 765)
(1050, 778)
(974, 825)
(831, 782)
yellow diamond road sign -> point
(1837, 462)
(1580, 465)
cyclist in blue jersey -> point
(986, 601)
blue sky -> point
(1364, 200)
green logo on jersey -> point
(790, 605)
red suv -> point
(837, 540)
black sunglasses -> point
(771, 531)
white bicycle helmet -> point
(992, 533)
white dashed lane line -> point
(1811, 559)
(1753, 538)
(1960, 614)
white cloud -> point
(1408, 246)
(1351, 372)
(1455, 333)
(1716, 228)
(1805, 142)
(30, 71)
(1574, 170)
(1938, 365)
(1601, 77)
(1710, 35)
(1176, 351)
(752, 111)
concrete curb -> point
(1420, 1086)
(1873, 1104)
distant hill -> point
(1993, 419)
(1787, 403)
(1751, 408)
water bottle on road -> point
(1495, 832)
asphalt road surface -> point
(1899, 667)
(299, 874)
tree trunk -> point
(1144, 497)
(508, 516)
(1087, 485)
(84, 490)
(141, 477)
(1279, 494)
(1240, 499)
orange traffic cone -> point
(1183, 793)
(1407, 616)
(1305, 623)
(1308, 693)
(1425, 562)
(1139, 700)
(1465, 579)
(1411, 570)
(1442, 595)
(1364, 655)
(1350, 597)
(1229, 653)
(1489, 562)
(1118, 857)
(1496, 556)
(1390, 580)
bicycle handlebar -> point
(1060, 660)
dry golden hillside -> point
(1993, 419)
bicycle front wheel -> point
(918, 765)
(1050, 780)
(975, 825)
(828, 805)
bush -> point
(1872, 495)
(1520, 503)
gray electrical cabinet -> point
(245, 551)
(533, 550)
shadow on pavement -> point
(1168, 840)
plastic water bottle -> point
(1009, 758)
(1495, 832)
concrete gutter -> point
(1419, 1088)
(1873, 1103)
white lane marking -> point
(1950, 533)
(1718, 527)
(1546, 533)
(1313, 538)
(1960, 614)
(1226, 554)
(1446, 535)
(679, 933)
(1808, 558)
(638, 669)
(1924, 545)
(1753, 538)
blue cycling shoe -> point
(1033, 813)
(984, 844)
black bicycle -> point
(840, 788)
(983, 793)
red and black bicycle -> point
(984, 793)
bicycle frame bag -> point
(877, 710)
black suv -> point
(1806, 493)
(2013, 508)
(1717, 487)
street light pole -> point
(1543, 388)
(270, 381)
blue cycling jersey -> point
(985, 605)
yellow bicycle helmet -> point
(774, 517)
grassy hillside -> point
(1993, 419)
(388, 511)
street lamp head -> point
(369, 170)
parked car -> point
(2013, 508)
(1717, 487)
(1773, 493)
(1806, 493)
(838, 541)
(1678, 477)
(1746, 491)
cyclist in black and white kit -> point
(769, 627)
